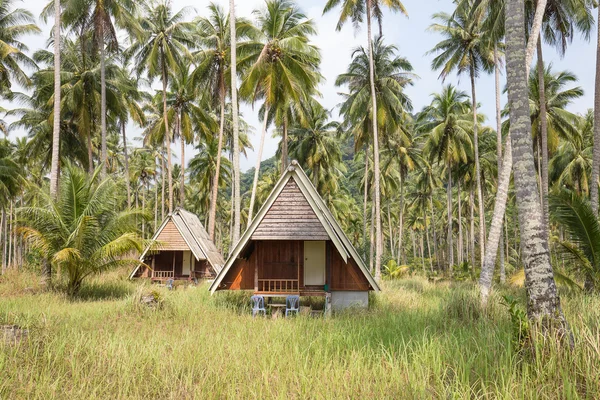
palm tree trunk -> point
(472, 225)
(498, 152)
(596, 152)
(163, 181)
(167, 136)
(90, 150)
(257, 166)
(215, 189)
(503, 184)
(103, 99)
(126, 161)
(435, 243)
(234, 111)
(56, 122)
(378, 240)
(478, 169)
(544, 302)
(366, 199)
(155, 203)
(534, 32)
(460, 232)
(449, 240)
(10, 235)
(424, 208)
(182, 181)
(372, 239)
(284, 146)
(544, 132)
(422, 246)
(487, 271)
(401, 216)
(4, 239)
(2, 230)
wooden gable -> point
(290, 217)
(170, 238)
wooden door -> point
(187, 263)
(314, 263)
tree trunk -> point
(390, 231)
(155, 204)
(56, 121)
(503, 184)
(10, 236)
(422, 254)
(4, 241)
(401, 217)
(167, 137)
(543, 299)
(534, 32)
(378, 241)
(450, 242)
(596, 154)
(103, 99)
(182, 178)
(90, 150)
(257, 166)
(126, 160)
(284, 147)
(163, 181)
(435, 243)
(372, 239)
(366, 200)
(544, 136)
(215, 189)
(427, 236)
(499, 151)
(478, 170)
(472, 226)
(234, 111)
(460, 232)
(487, 271)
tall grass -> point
(421, 340)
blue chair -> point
(258, 305)
(169, 284)
(292, 304)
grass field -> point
(418, 340)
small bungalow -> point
(181, 249)
(294, 246)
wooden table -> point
(277, 309)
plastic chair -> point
(258, 305)
(292, 304)
(169, 284)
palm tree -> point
(192, 121)
(234, 111)
(14, 24)
(282, 69)
(448, 127)
(596, 157)
(544, 302)
(164, 42)
(354, 9)
(316, 147)
(571, 165)
(466, 49)
(575, 214)
(81, 233)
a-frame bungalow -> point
(180, 249)
(294, 246)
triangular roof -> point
(327, 220)
(195, 236)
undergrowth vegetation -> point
(418, 340)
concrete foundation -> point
(342, 300)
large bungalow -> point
(180, 250)
(294, 246)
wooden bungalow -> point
(294, 245)
(181, 249)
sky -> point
(409, 34)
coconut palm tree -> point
(281, 70)
(467, 50)
(544, 302)
(234, 110)
(596, 156)
(316, 147)
(160, 49)
(81, 233)
(354, 10)
(448, 126)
